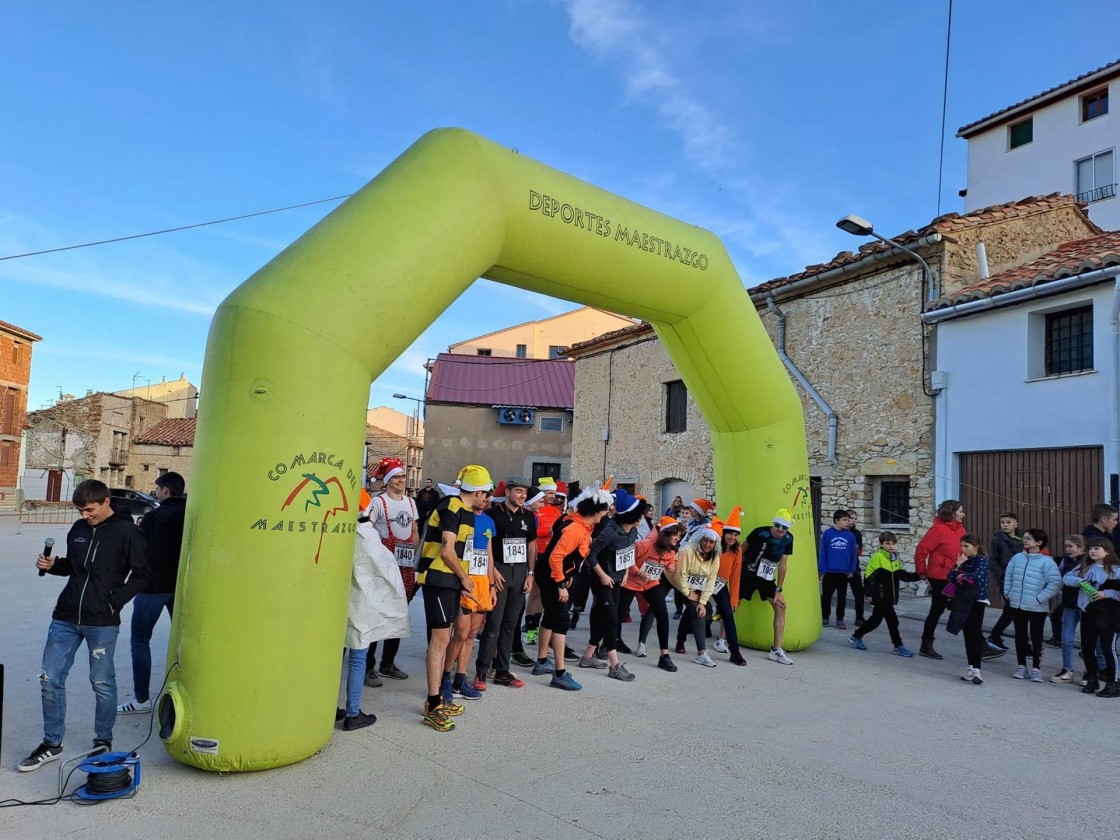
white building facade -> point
(1063, 140)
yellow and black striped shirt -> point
(454, 517)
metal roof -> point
(498, 380)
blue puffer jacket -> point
(1030, 581)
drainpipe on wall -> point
(1112, 455)
(772, 305)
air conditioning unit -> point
(511, 416)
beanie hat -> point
(624, 502)
(702, 506)
(473, 477)
(388, 468)
(732, 523)
(784, 516)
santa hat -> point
(712, 531)
(668, 522)
(562, 489)
(732, 523)
(387, 468)
(546, 484)
(624, 502)
(702, 506)
(784, 517)
(539, 497)
(473, 477)
(500, 492)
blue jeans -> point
(355, 678)
(146, 610)
(63, 641)
(1070, 617)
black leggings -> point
(1033, 623)
(879, 614)
(604, 615)
(938, 603)
(974, 643)
(692, 623)
(721, 601)
(581, 586)
(1090, 636)
(655, 598)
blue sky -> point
(764, 122)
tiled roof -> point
(498, 380)
(1061, 90)
(945, 225)
(1072, 258)
(173, 432)
(610, 338)
(22, 333)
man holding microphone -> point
(106, 565)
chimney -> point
(982, 260)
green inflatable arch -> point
(254, 655)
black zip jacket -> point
(163, 531)
(1003, 548)
(107, 566)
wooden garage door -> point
(1052, 489)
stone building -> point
(851, 334)
(168, 446)
(392, 433)
(512, 416)
(90, 437)
(15, 372)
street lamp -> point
(415, 413)
(858, 226)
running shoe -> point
(779, 655)
(737, 658)
(1054, 641)
(857, 643)
(1036, 675)
(373, 680)
(840, 625)
(446, 692)
(39, 756)
(705, 660)
(902, 650)
(997, 644)
(393, 672)
(593, 662)
(531, 636)
(679, 649)
(824, 623)
(620, 673)
(720, 646)
(134, 707)
(677, 615)
(640, 651)
(507, 679)
(622, 647)
(570, 655)
(565, 682)
(665, 663)
(1020, 673)
(542, 668)
(360, 721)
(479, 683)
(1063, 676)
(990, 652)
(522, 659)
(465, 691)
(437, 718)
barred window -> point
(1069, 341)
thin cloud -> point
(617, 30)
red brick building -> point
(15, 373)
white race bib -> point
(766, 569)
(624, 559)
(406, 555)
(697, 581)
(477, 562)
(653, 570)
(515, 551)
(720, 583)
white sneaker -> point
(134, 707)
(779, 655)
(967, 675)
(720, 646)
(640, 650)
(705, 660)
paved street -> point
(843, 744)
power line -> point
(175, 229)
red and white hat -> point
(388, 468)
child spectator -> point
(836, 564)
(969, 579)
(1098, 577)
(1006, 543)
(1073, 554)
(884, 571)
(1031, 580)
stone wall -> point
(148, 461)
(15, 372)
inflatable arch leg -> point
(262, 591)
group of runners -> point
(487, 557)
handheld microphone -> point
(48, 546)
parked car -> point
(132, 502)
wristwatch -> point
(777, 589)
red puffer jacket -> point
(939, 549)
